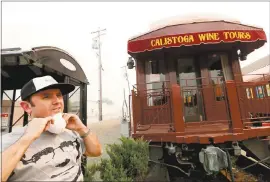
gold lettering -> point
(161, 42)
(232, 35)
(191, 38)
(202, 37)
(165, 41)
(248, 36)
(241, 35)
(216, 36)
(186, 38)
(209, 36)
(237, 35)
(169, 40)
(153, 43)
(226, 34)
(180, 39)
(158, 42)
(174, 39)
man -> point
(34, 154)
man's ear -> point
(26, 106)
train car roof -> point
(45, 56)
(259, 69)
(190, 19)
(257, 65)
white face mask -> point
(59, 124)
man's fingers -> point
(48, 118)
(52, 121)
(48, 121)
(47, 126)
(66, 117)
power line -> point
(97, 45)
(126, 77)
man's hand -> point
(37, 126)
(12, 155)
(74, 123)
(92, 145)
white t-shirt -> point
(49, 158)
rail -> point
(152, 105)
(211, 103)
(254, 100)
(254, 77)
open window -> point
(10, 103)
(155, 81)
(188, 76)
(260, 92)
(249, 93)
(74, 101)
(216, 75)
(268, 89)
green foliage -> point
(109, 172)
(90, 171)
(128, 161)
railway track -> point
(244, 169)
(258, 169)
(247, 169)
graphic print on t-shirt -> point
(49, 155)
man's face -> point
(45, 103)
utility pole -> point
(97, 38)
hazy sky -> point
(67, 25)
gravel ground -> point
(108, 132)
